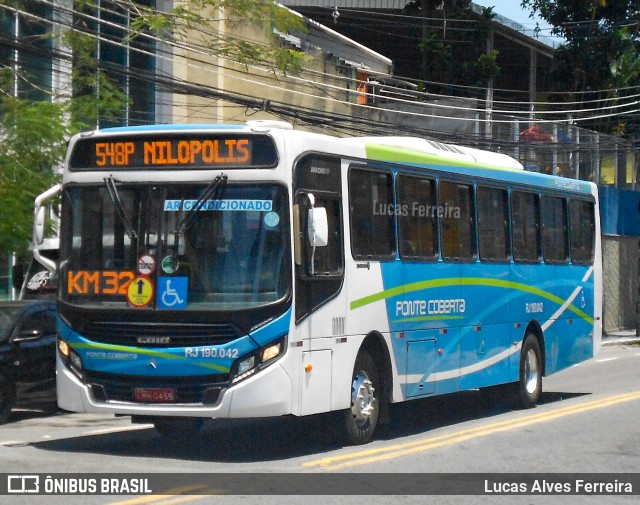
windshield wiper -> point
(110, 183)
(190, 215)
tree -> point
(599, 59)
(451, 53)
(34, 132)
(195, 22)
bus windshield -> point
(182, 246)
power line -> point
(192, 46)
(171, 84)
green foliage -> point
(35, 135)
(454, 56)
(34, 141)
(94, 96)
(487, 68)
(192, 17)
(599, 58)
(436, 57)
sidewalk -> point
(620, 337)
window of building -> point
(417, 218)
(493, 224)
(5, 276)
(26, 50)
(456, 215)
(525, 215)
(372, 211)
(128, 63)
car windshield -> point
(203, 246)
(8, 314)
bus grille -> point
(139, 334)
(200, 390)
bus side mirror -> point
(317, 227)
(38, 226)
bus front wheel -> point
(530, 380)
(362, 417)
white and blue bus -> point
(212, 271)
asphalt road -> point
(587, 422)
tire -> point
(7, 398)
(529, 387)
(178, 429)
(361, 419)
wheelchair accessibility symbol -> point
(172, 292)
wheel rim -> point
(362, 398)
(531, 372)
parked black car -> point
(27, 355)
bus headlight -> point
(70, 357)
(262, 358)
(271, 352)
(246, 364)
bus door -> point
(320, 303)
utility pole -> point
(489, 101)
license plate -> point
(154, 395)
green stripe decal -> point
(146, 352)
(467, 281)
(404, 155)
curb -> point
(619, 340)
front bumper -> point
(266, 394)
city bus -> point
(244, 271)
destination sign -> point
(173, 151)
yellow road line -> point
(385, 453)
(172, 496)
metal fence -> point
(567, 151)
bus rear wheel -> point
(361, 419)
(530, 380)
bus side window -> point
(493, 224)
(525, 212)
(582, 219)
(417, 218)
(372, 214)
(554, 229)
(457, 223)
